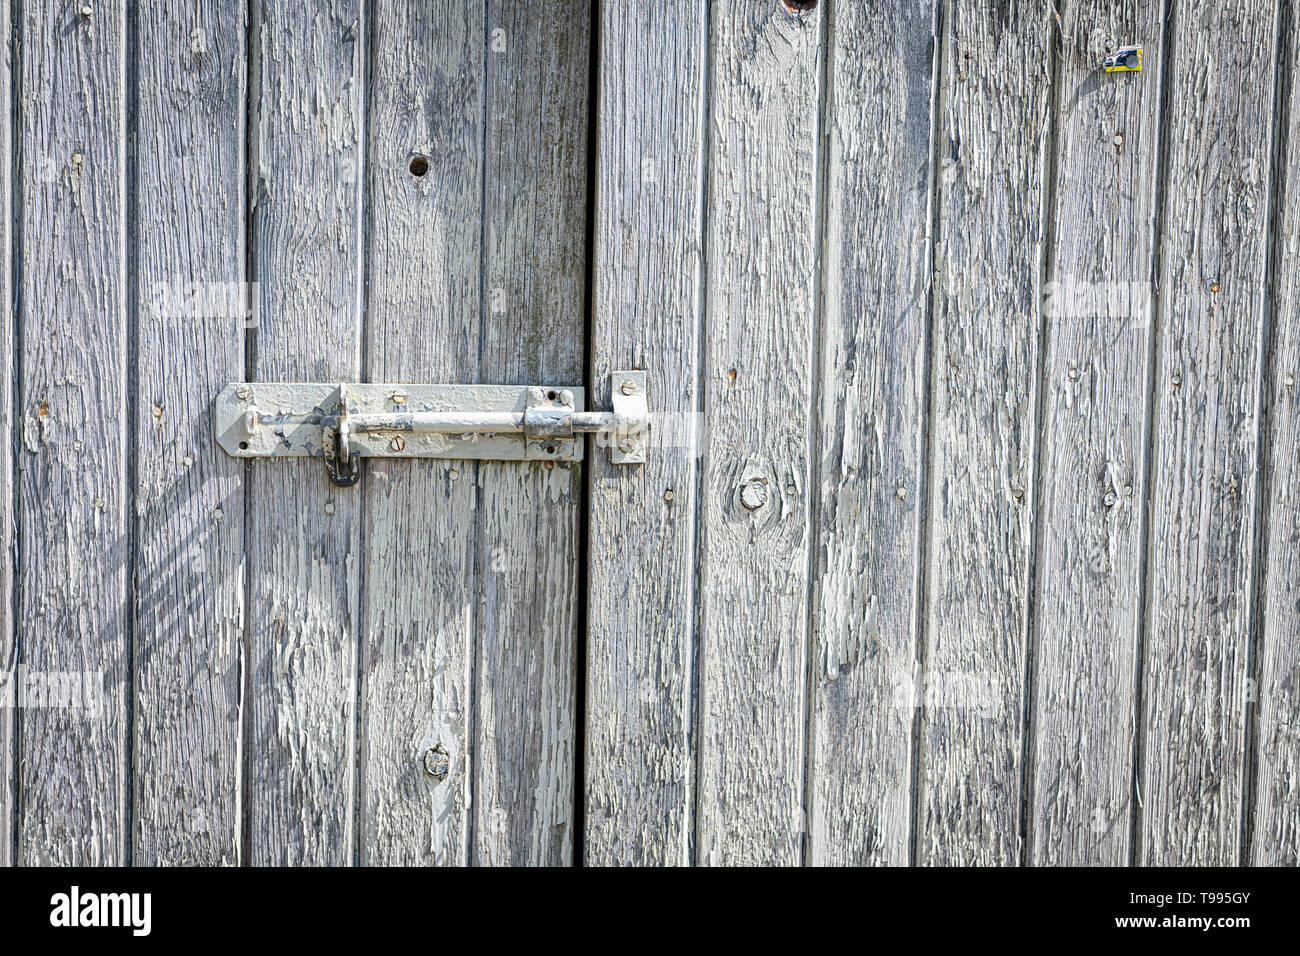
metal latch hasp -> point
(343, 423)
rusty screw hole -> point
(419, 165)
(550, 449)
(551, 395)
(243, 446)
(796, 7)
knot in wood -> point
(436, 763)
(753, 493)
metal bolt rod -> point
(460, 423)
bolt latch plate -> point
(343, 423)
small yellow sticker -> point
(1126, 60)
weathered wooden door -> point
(989, 551)
(969, 528)
(294, 673)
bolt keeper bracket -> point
(343, 423)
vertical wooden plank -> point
(761, 234)
(640, 757)
(72, 488)
(8, 530)
(534, 220)
(304, 542)
(1205, 448)
(189, 494)
(1090, 558)
(876, 300)
(1276, 837)
(423, 325)
(994, 98)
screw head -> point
(244, 392)
(398, 443)
(1109, 499)
(668, 495)
(399, 397)
(1073, 373)
(628, 387)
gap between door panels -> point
(584, 507)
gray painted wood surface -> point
(756, 485)
(423, 317)
(648, 289)
(534, 227)
(1204, 470)
(992, 128)
(189, 574)
(871, 395)
(1275, 836)
(1089, 555)
(964, 567)
(306, 133)
(72, 493)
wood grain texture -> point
(74, 772)
(1091, 549)
(1204, 479)
(761, 236)
(876, 274)
(993, 121)
(304, 543)
(423, 321)
(1276, 838)
(533, 333)
(189, 495)
(8, 530)
(640, 757)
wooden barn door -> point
(984, 549)
(294, 673)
